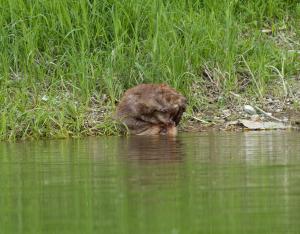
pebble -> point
(249, 110)
(269, 100)
(255, 117)
(226, 113)
(104, 97)
(269, 114)
(221, 121)
(285, 119)
(45, 98)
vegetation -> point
(64, 64)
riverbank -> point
(275, 107)
(218, 114)
(64, 65)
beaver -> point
(151, 109)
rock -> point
(268, 114)
(226, 113)
(269, 100)
(249, 110)
(255, 117)
(45, 98)
(234, 122)
(104, 98)
(231, 123)
(254, 125)
(285, 119)
(221, 121)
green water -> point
(197, 183)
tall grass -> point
(64, 64)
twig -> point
(266, 114)
(195, 118)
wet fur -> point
(151, 109)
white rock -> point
(269, 100)
(226, 113)
(285, 119)
(269, 114)
(263, 125)
(249, 110)
(255, 117)
(45, 98)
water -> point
(197, 183)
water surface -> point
(197, 183)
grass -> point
(64, 64)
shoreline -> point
(189, 124)
(69, 118)
(66, 116)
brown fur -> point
(151, 109)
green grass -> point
(64, 64)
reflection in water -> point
(195, 183)
(152, 148)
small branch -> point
(195, 118)
(266, 114)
